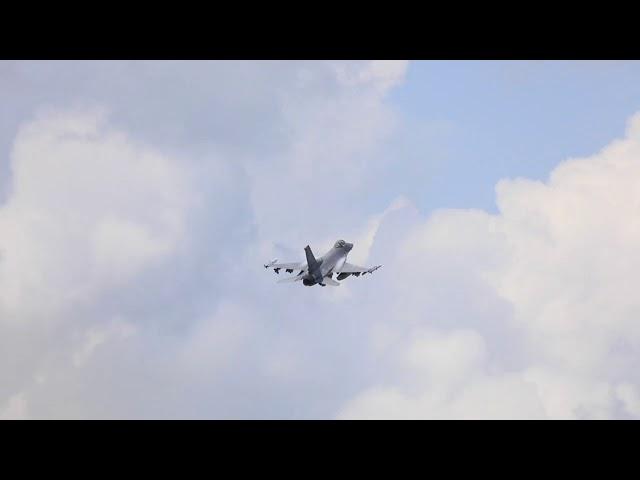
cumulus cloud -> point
(96, 228)
(140, 199)
(16, 409)
(138, 196)
(552, 273)
(335, 129)
(88, 210)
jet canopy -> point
(340, 244)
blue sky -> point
(473, 123)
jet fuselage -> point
(327, 265)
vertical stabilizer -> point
(311, 260)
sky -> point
(139, 200)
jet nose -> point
(349, 246)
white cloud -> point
(335, 126)
(97, 336)
(97, 240)
(446, 358)
(217, 338)
(629, 395)
(16, 409)
(88, 209)
(380, 75)
(556, 270)
(131, 244)
(127, 233)
(491, 397)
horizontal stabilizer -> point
(330, 281)
(290, 279)
(356, 270)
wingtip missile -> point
(271, 263)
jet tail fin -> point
(311, 260)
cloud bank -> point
(138, 207)
(529, 313)
(140, 199)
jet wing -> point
(356, 270)
(288, 267)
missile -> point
(271, 263)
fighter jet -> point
(320, 271)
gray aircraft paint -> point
(321, 270)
